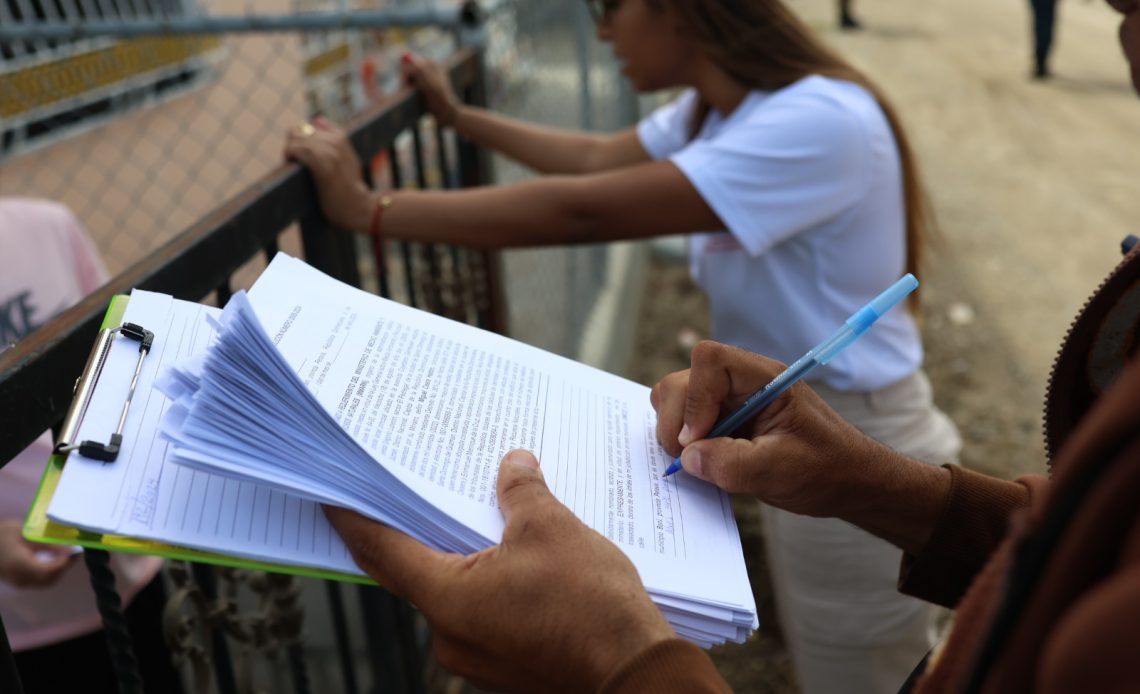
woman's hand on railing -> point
(324, 149)
(431, 79)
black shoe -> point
(1041, 72)
(849, 23)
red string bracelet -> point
(382, 204)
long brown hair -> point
(763, 45)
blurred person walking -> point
(847, 19)
(1044, 23)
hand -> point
(798, 454)
(554, 607)
(27, 564)
(325, 150)
(431, 79)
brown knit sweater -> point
(1078, 629)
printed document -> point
(317, 392)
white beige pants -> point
(848, 629)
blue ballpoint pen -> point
(822, 353)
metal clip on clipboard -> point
(85, 387)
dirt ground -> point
(1034, 186)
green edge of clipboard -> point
(38, 528)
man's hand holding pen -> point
(797, 454)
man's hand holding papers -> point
(499, 616)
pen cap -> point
(866, 316)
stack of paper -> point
(313, 391)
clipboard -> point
(39, 528)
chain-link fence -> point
(141, 137)
(562, 77)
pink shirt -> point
(47, 263)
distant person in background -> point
(47, 263)
(1044, 20)
(846, 18)
(793, 177)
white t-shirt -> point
(808, 182)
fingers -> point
(52, 556)
(689, 403)
(300, 145)
(401, 564)
(48, 570)
(709, 387)
(668, 399)
(731, 464)
(412, 68)
(430, 78)
(296, 150)
(322, 146)
(39, 566)
(522, 492)
(720, 379)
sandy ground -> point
(1034, 185)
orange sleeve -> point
(973, 522)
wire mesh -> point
(140, 150)
(553, 71)
(141, 137)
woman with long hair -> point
(797, 184)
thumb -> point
(47, 565)
(729, 463)
(521, 488)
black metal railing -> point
(36, 375)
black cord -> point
(110, 606)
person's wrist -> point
(895, 497)
(362, 208)
(866, 470)
(641, 633)
(454, 113)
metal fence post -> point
(329, 249)
(475, 170)
(219, 648)
(396, 668)
(582, 25)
